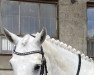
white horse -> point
(61, 59)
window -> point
(90, 28)
(26, 17)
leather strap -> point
(79, 64)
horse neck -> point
(63, 62)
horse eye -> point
(37, 67)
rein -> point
(79, 64)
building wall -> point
(72, 29)
(72, 24)
(5, 68)
(6, 72)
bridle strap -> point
(43, 66)
(79, 64)
(26, 53)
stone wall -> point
(6, 72)
(4, 63)
(72, 24)
(5, 68)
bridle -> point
(44, 65)
(43, 61)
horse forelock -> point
(25, 39)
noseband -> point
(43, 61)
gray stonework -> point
(72, 29)
(72, 24)
(5, 68)
(6, 72)
(4, 64)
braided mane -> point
(68, 47)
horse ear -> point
(11, 37)
(41, 36)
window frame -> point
(38, 1)
(90, 53)
(90, 4)
(44, 2)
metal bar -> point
(6, 69)
(6, 54)
(19, 20)
(90, 4)
(49, 2)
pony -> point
(60, 58)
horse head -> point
(27, 57)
